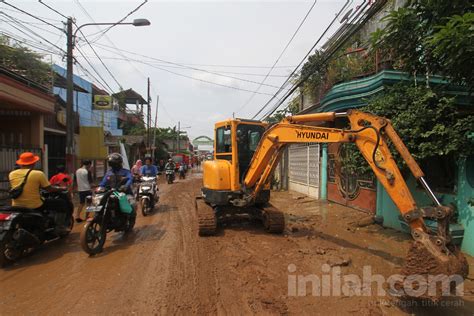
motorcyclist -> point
(35, 180)
(170, 165)
(149, 169)
(116, 174)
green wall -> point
(464, 193)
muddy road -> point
(163, 267)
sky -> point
(231, 44)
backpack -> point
(16, 192)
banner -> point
(102, 102)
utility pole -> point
(154, 130)
(69, 97)
(177, 138)
(149, 115)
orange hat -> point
(27, 159)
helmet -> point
(115, 161)
(170, 160)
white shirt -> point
(82, 178)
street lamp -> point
(71, 36)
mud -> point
(164, 267)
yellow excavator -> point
(246, 152)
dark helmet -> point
(115, 161)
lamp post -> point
(71, 36)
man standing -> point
(83, 180)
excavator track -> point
(207, 221)
(273, 220)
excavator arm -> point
(367, 131)
(372, 135)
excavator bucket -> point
(431, 274)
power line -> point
(120, 21)
(193, 68)
(279, 57)
(29, 30)
(30, 43)
(297, 67)
(31, 15)
(101, 61)
(53, 9)
(93, 68)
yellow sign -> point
(102, 102)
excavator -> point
(246, 152)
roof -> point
(98, 91)
(60, 82)
(131, 96)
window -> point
(223, 140)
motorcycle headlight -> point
(146, 188)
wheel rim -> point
(94, 235)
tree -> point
(24, 61)
(431, 37)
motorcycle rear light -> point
(4, 216)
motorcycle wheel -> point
(93, 237)
(8, 256)
(144, 206)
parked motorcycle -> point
(147, 194)
(169, 176)
(23, 229)
(113, 211)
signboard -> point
(102, 102)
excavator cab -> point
(235, 143)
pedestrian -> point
(83, 179)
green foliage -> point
(281, 114)
(414, 31)
(427, 121)
(25, 62)
(453, 47)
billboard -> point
(102, 102)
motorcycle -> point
(169, 175)
(113, 211)
(147, 194)
(23, 229)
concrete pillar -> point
(324, 173)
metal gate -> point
(304, 169)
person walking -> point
(83, 178)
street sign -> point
(102, 102)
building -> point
(23, 107)
(94, 124)
(364, 192)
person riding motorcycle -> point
(170, 165)
(35, 181)
(116, 174)
(149, 169)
